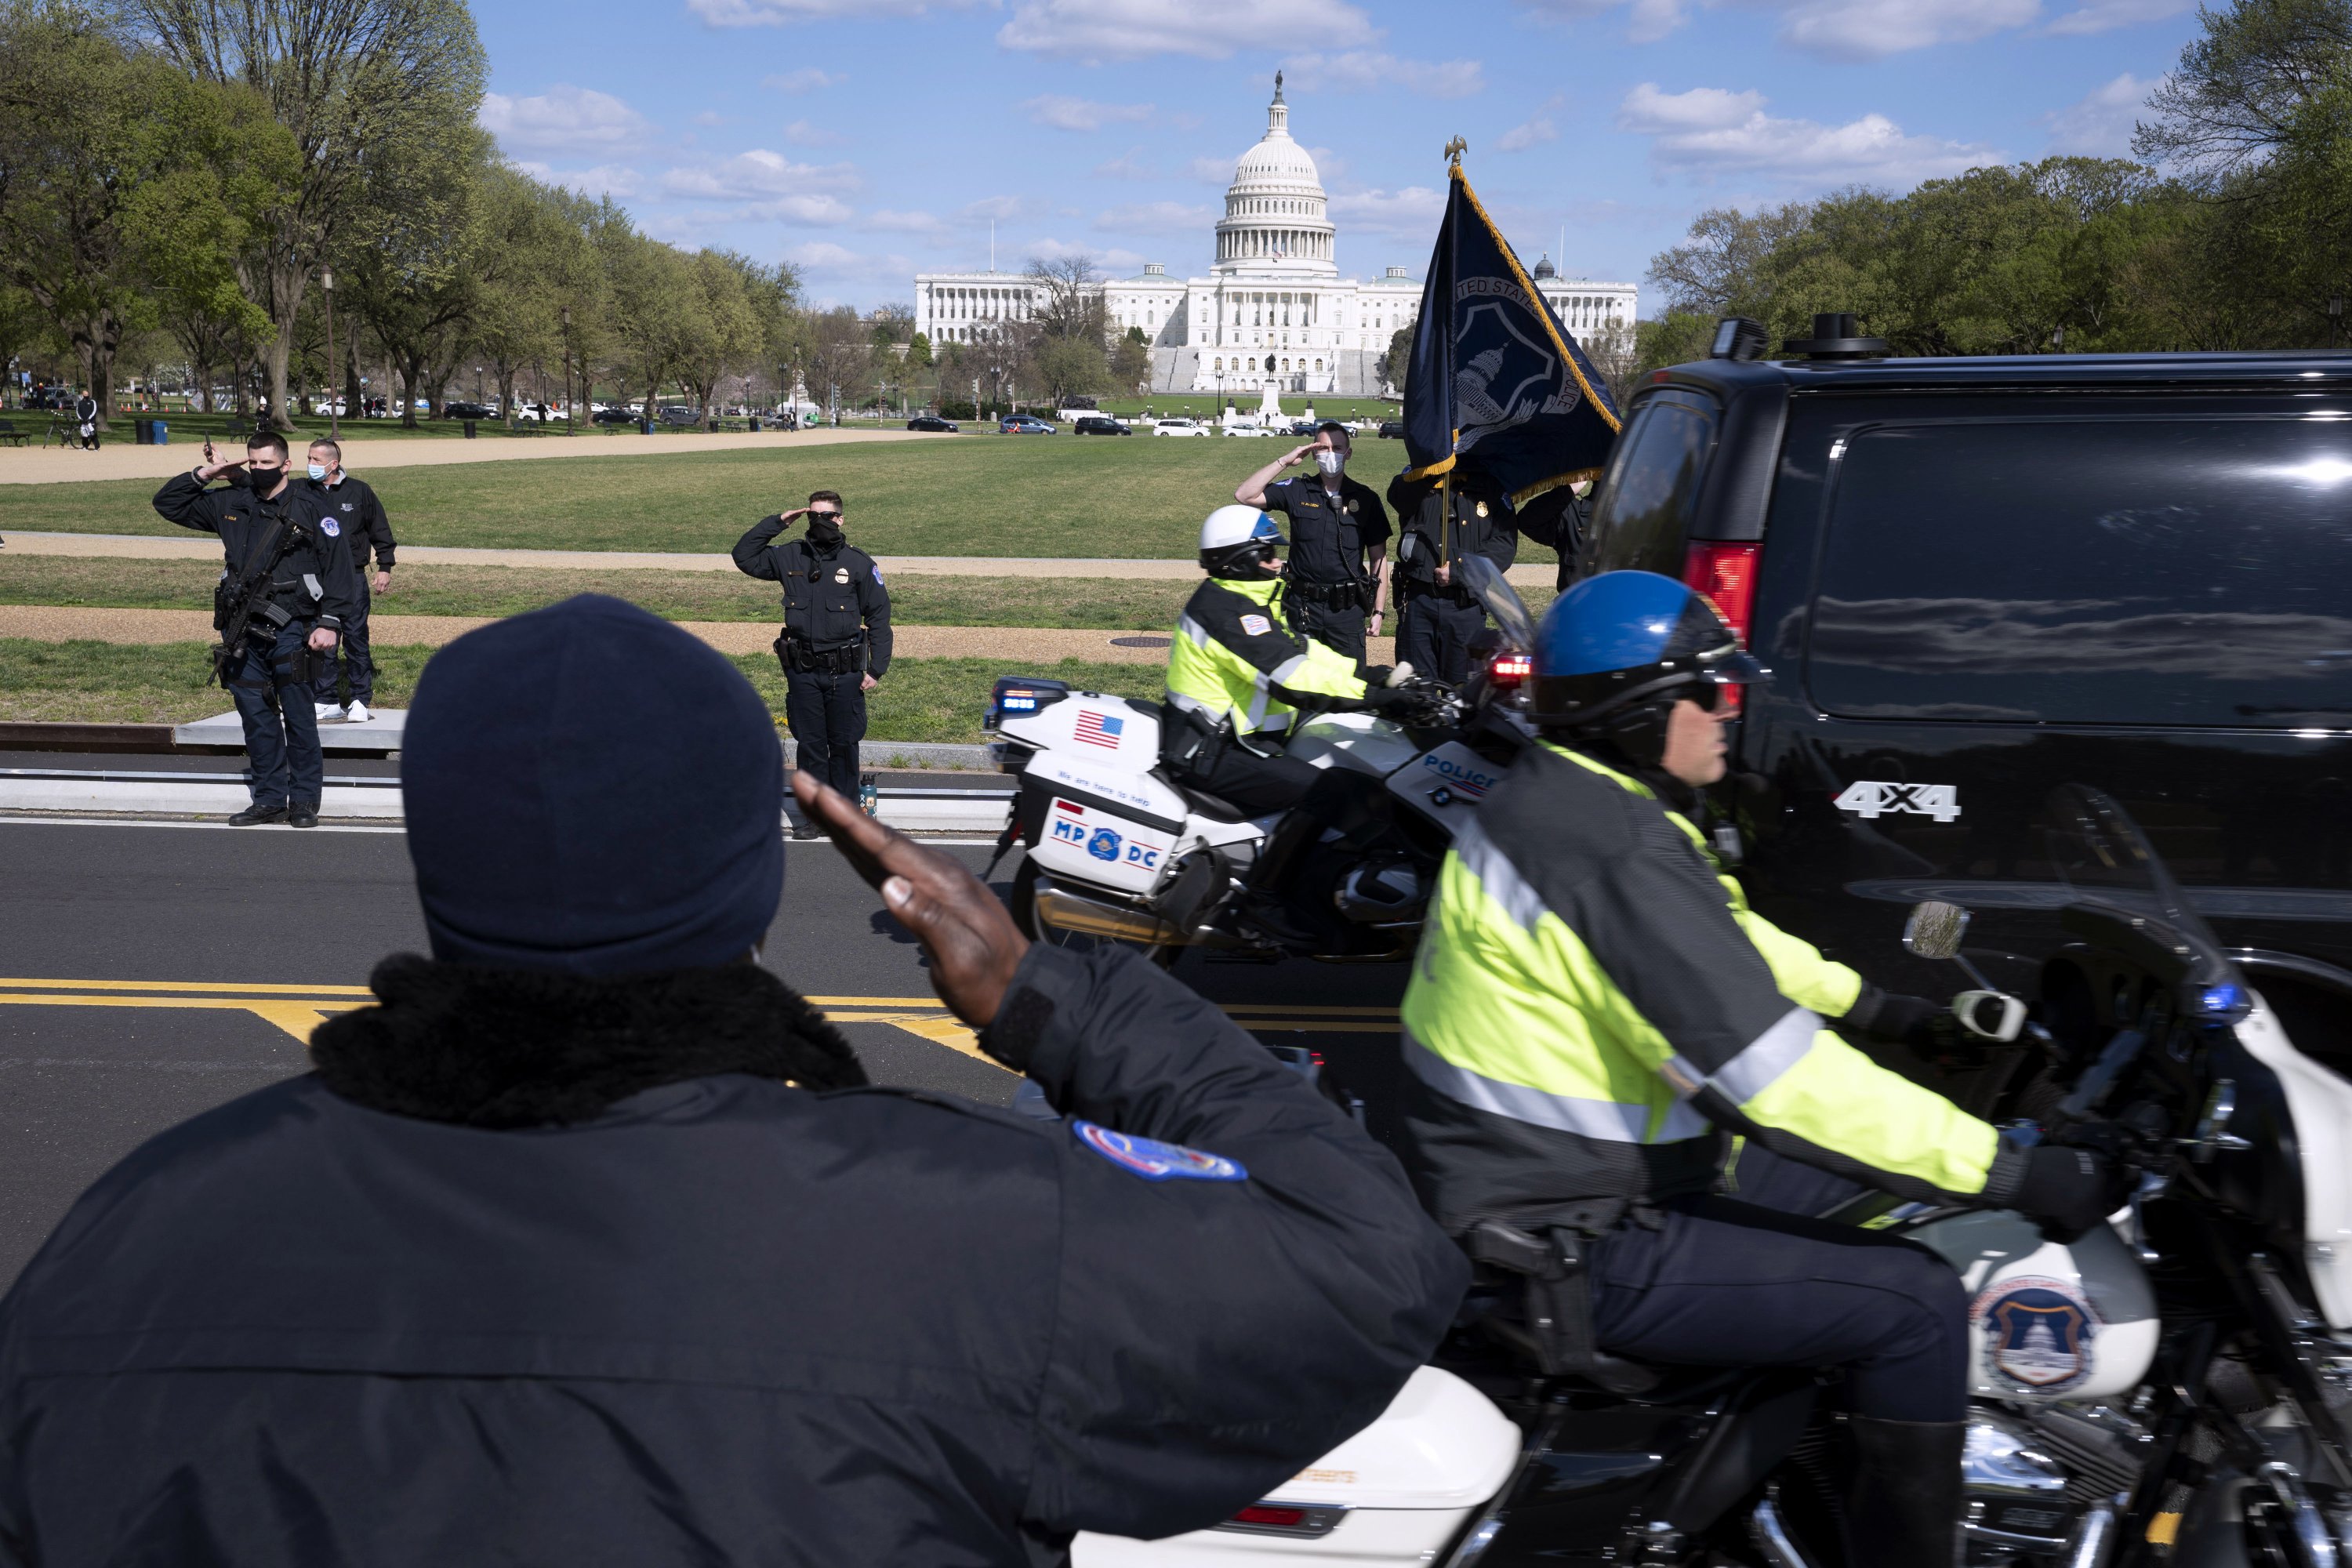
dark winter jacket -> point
(359, 516)
(833, 590)
(315, 556)
(539, 1269)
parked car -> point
(614, 417)
(1179, 427)
(1392, 429)
(677, 416)
(1304, 426)
(1025, 425)
(1249, 431)
(469, 411)
(1101, 424)
(1977, 579)
(930, 422)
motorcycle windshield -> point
(1486, 579)
(2099, 853)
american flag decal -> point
(1096, 728)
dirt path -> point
(44, 624)
(30, 465)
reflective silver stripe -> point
(1260, 696)
(1481, 857)
(1759, 1065)
(1602, 1120)
(1194, 705)
(1193, 629)
(1286, 668)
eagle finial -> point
(1454, 151)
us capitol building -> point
(1274, 311)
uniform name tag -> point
(1257, 626)
(1154, 1161)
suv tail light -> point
(1725, 574)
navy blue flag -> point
(1497, 385)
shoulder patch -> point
(329, 527)
(1257, 626)
(1154, 1161)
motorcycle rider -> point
(1238, 671)
(1594, 1012)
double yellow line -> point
(298, 1009)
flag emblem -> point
(1099, 728)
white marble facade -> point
(1274, 311)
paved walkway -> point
(36, 466)
(196, 548)
(1006, 644)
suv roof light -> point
(1836, 335)
(1738, 338)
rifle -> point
(235, 603)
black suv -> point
(1976, 579)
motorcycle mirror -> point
(1934, 929)
(1989, 1014)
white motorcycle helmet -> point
(1238, 542)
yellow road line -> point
(239, 989)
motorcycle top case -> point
(1097, 823)
(1396, 1492)
(1122, 735)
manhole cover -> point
(1142, 642)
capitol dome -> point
(1275, 212)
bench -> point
(10, 434)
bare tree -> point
(352, 79)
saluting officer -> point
(1336, 575)
(1443, 520)
(836, 639)
(354, 505)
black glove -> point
(1885, 1015)
(2070, 1190)
(1377, 675)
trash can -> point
(142, 431)
(645, 428)
(162, 433)
(470, 429)
(755, 425)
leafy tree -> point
(418, 282)
(1130, 358)
(1400, 355)
(355, 82)
(515, 317)
(840, 354)
(724, 333)
(918, 350)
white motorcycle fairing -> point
(1396, 1492)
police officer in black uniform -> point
(1442, 519)
(1339, 542)
(359, 516)
(836, 639)
(310, 594)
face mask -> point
(824, 528)
(263, 480)
(1330, 462)
(319, 470)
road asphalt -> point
(155, 970)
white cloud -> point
(2099, 125)
(1360, 70)
(777, 13)
(1873, 29)
(1533, 130)
(562, 118)
(2106, 16)
(1158, 217)
(906, 222)
(1128, 165)
(759, 172)
(1711, 130)
(801, 133)
(1001, 208)
(808, 79)
(1412, 211)
(1097, 30)
(1654, 19)
(1211, 170)
(1065, 114)
(605, 180)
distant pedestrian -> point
(86, 421)
(835, 644)
(349, 507)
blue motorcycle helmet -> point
(1615, 653)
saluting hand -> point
(1300, 454)
(971, 942)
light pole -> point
(2335, 317)
(571, 414)
(334, 370)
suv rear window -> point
(1643, 509)
(2156, 572)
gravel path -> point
(45, 623)
(34, 466)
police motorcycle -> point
(1117, 849)
(2174, 1386)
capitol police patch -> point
(329, 527)
(1257, 626)
(1154, 1161)
(2039, 1333)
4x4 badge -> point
(1867, 799)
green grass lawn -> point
(1108, 602)
(1059, 496)
(921, 699)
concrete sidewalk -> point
(36, 466)
(41, 623)
(194, 548)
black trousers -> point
(1341, 630)
(1434, 635)
(351, 653)
(281, 741)
(1259, 785)
(827, 715)
(1746, 1281)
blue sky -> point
(866, 140)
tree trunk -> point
(411, 372)
(286, 291)
(352, 393)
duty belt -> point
(1453, 593)
(1329, 596)
(800, 656)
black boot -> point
(259, 811)
(1902, 1503)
